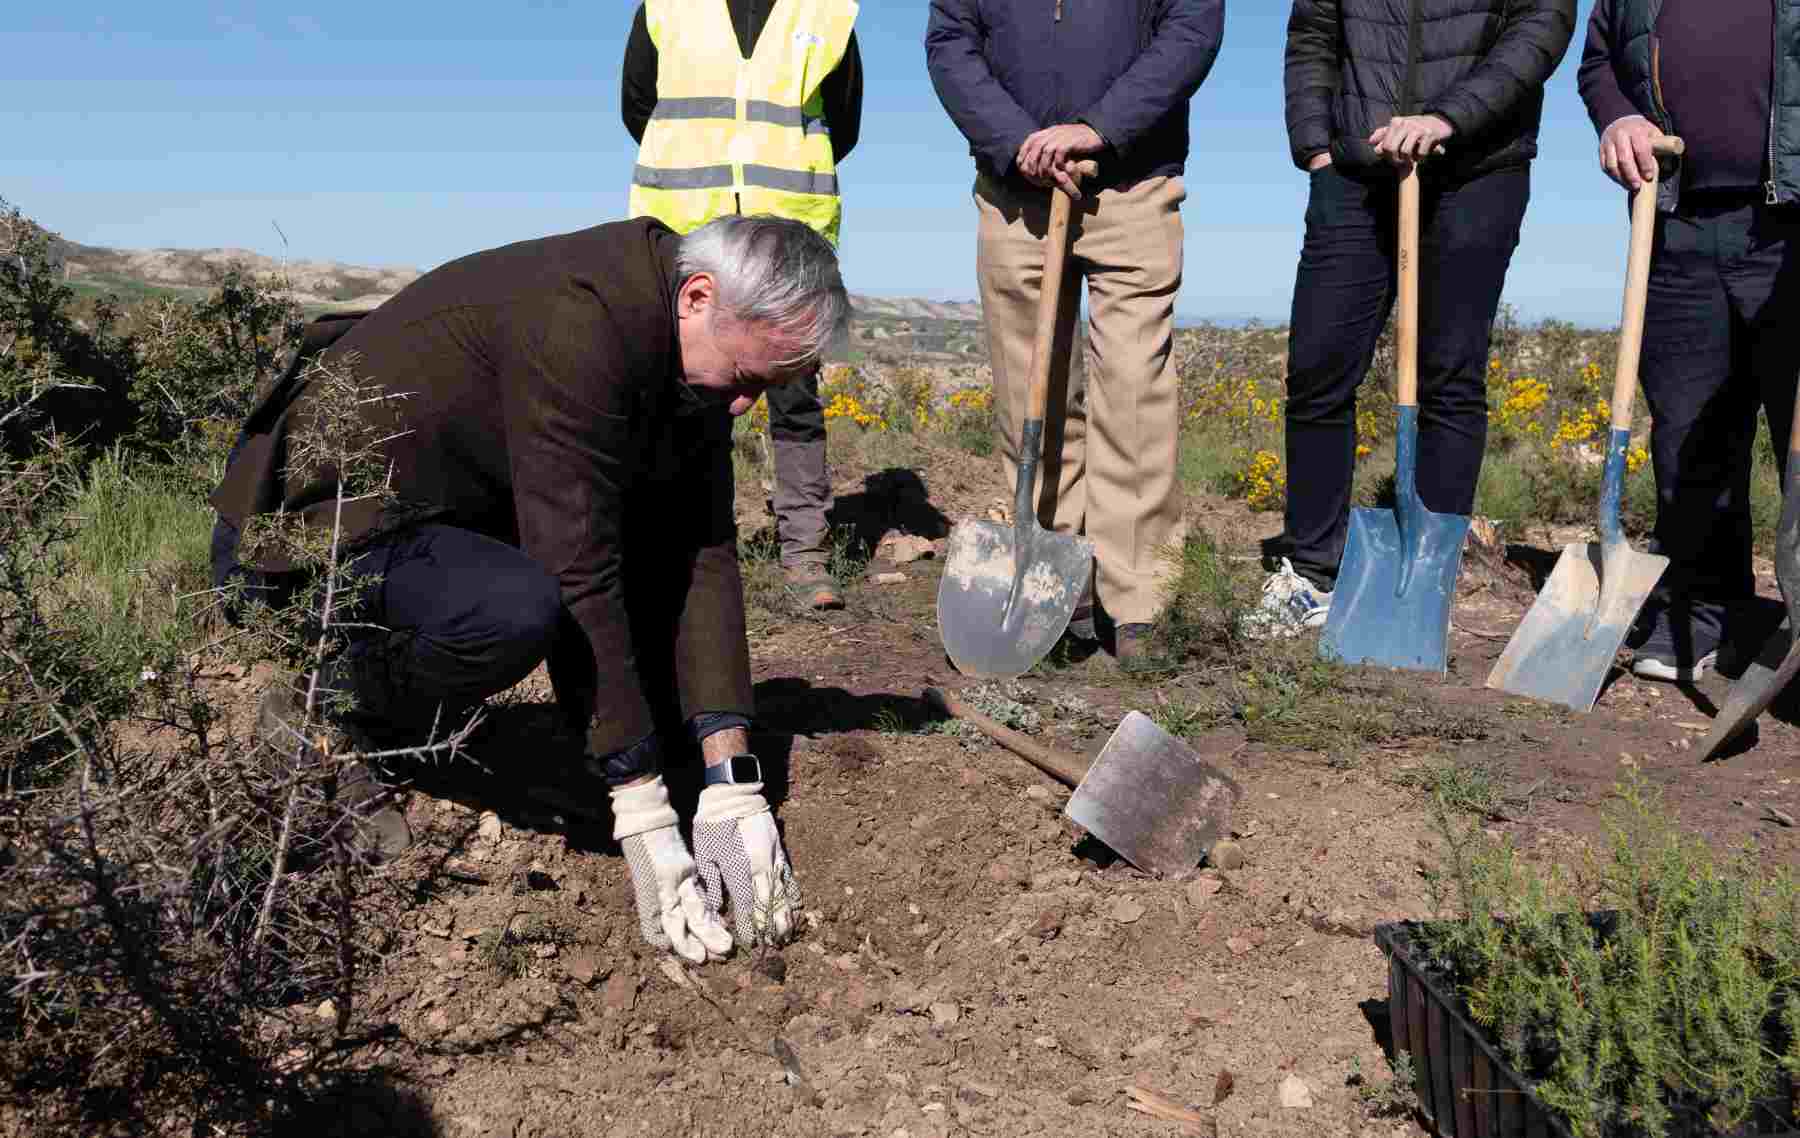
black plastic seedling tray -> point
(1466, 1088)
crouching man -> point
(562, 481)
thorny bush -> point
(178, 894)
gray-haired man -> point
(563, 460)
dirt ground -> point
(970, 964)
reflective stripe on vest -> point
(730, 134)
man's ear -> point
(697, 295)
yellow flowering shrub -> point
(1262, 482)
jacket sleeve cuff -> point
(1001, 155)
(1110, 134)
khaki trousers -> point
(1109, 467)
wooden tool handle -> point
(1794, 440)
(1668, 146)
(1056, 252)
(1637, 284)
(1406, 337)
(1063, 767)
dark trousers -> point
(1343, 293)
(802, 483)
(1721, 339)
(460, 617)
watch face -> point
(745, 768)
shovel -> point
(1776, 665)
(1007, 593)
(1148, 796)
(1392, 602)
(1564, 648)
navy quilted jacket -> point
(1354, 64)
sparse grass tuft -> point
(511, 949)
(1398, 1097)
(137, 563)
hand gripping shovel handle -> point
(1631, 343)
(1064, 768)
(1056, 254)
(1614, 549)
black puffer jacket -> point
(1354, 64)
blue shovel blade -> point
(1372, 620)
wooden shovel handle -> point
(1406, 335)
(1637, 285)
(1061, 766)
(1056, 253)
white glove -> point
(672, 914)
(740, 856)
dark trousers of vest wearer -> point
(1343, 293)
(461, 617)
(1720, 341)
(802, 483)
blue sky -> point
(404, 133)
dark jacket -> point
(841, 90)
(1352, 65)
(1007, 68)
(1621, 59)
(541, 411)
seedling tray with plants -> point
(1465, 1086)
(1643, 990)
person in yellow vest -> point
(747, 106)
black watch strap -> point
(735, 770)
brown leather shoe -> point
(382, 832)
(815, 586)
(1135, 649)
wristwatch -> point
(735, 770)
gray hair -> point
(771, 271)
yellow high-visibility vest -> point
(736, 135)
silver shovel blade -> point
(1152, 799)
(995, 622)
(1563, 650)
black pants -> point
(1343, 293)
(461, 617)
(1721, 339)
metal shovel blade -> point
(1152, 799)
(1769, 675)
(1751, 693)
(1564, 649)
(1373, 619)
(1007, 595)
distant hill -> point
(319, 285)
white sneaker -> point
(1290, 605)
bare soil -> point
(970, 963)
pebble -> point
(582, 967)
(945, 1014)
(1127, 910)
(890, 578)
(1149, 1046)
(1226, 854)
(490, 827)
(1037, 794)
(327, 1010)
(1295, 1094)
